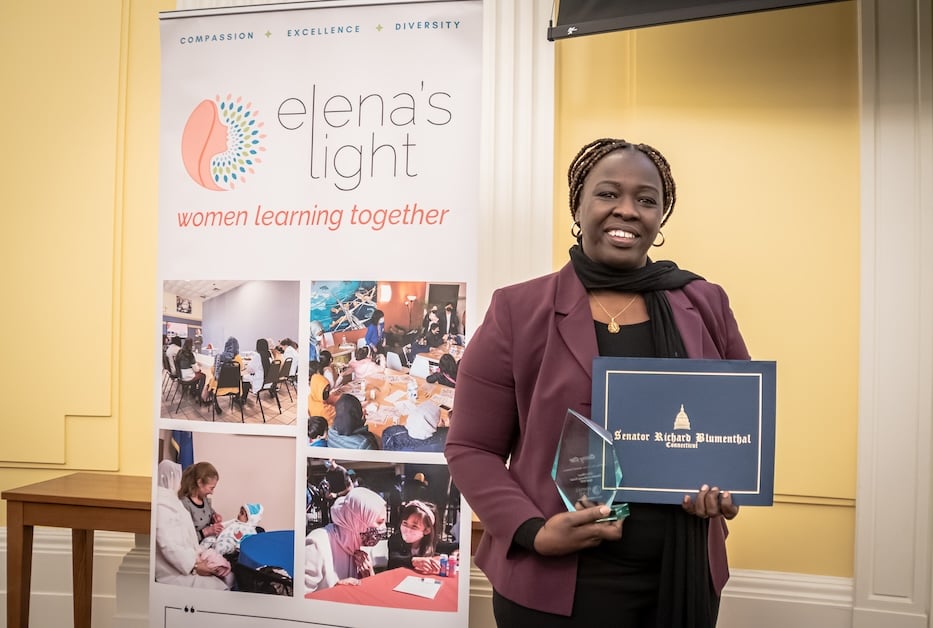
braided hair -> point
(590, 155)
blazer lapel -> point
(688, 321)
(574, 319)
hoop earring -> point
(656, 243)
(576, 231)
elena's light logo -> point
(221, 143)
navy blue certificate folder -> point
(677, 424)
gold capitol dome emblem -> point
(682, 421)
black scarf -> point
(685, 597)
(650, 280)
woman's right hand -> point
(426, 564)
(201, 568)
(214, 529)
(569, 532)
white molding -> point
(768, 599)
(764, 599)
(893, 526)
(51, 595)
(516, 176)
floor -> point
(190, 408)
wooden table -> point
(83, 502)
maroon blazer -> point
(528, 362)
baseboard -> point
(51, 596)
(763, 599)
(771, 599)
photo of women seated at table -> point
(218, 524)
(232, 355)
(383, 363)
(382, 534)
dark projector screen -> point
(589, 17)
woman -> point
(549, 567)
(375, 332)
(179, 560)
(197, 485)
(231, 353)
(290, 350)
(255, 364)
(446, 374)
(349, 428)
(328, 370)
(189, 369)
(333, 554)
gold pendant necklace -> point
(613, 325)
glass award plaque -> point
(586, 469)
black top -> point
(644, 572)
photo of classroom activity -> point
(230, 351)
(219, 524)
(382, 534)
(383, 363)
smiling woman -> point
(666, 566)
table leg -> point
(18, 565)
(82, 571)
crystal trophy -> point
(586, 469)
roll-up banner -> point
(318, 190)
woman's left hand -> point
(711, 502)
(353, 582)
(364, 564)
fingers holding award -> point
(586, 470)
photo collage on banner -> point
(318, 193)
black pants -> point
(588, 613)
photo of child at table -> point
(446, 374)
(197, 485)
(317, 431)
(349, 429)
(420, 432)
(415, 506)
(415, 545)
(333, 553)
(319, 393)
(363, 364)
(235, 530)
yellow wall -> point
(758, 115)
(81, 115)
